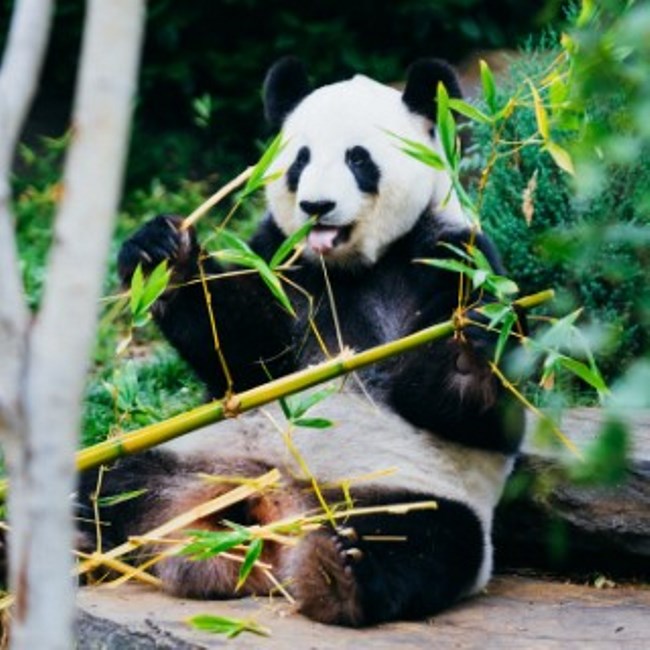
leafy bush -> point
(551, 239)
(221, 50)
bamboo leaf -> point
(230, 627)
(145, 291)
(240, 253)
(495, 312)
(208, 543)
(466, 109)
(458, 251)
(506, 328)
(313, 423)
(489, 88)
(446, 125)
(115, 499)
(228, 240)
(275, 287)
(589, 375)
(258, 176)
(299, 404)
(481, 260)
(252, 555)
(479, 278)
(155, 284)
(501, 286)
(285, 408)
(561, 157)
(449, 265)
(137, 288)
(420, 152)
(540, 113)
(287, 246)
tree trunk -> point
(41, 392)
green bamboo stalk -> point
(152, 435)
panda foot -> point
(325, 583)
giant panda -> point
(430, 425)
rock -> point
(574, 528)
(516, 612)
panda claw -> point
(349, 534)
(353, 555)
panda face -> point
(342, 167)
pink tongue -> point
(321, 240)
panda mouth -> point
(323, 239)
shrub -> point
(566, 242)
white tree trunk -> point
(55, 360)
(19, 76)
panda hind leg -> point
(389, 566)
(171, 487)
(218, 576)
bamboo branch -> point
(152, 435)
(217, 197)
(155, 434)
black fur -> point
(428, 559)
(297, 167)
(418, 385)
(422, 82)
(364, 168)
(285, 86)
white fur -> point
(330, 121)
(365, 440)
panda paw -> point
(160, 239)
(325, 583)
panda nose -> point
(317, 208)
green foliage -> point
(204, 61)
(125, 396)
(556, 240)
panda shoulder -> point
(431, 238)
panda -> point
(430, 425)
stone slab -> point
(516, 612)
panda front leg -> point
(386, 567)
(252, 328)
(449, 388)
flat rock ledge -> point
(515, 612)
(597, 532)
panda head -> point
(341, 166)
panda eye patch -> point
(363, 168)
(297, 167)
(357, 156)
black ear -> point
(286, 84)
(422, 81)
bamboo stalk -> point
(184, 519)
(155, 434)
(218, 196)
